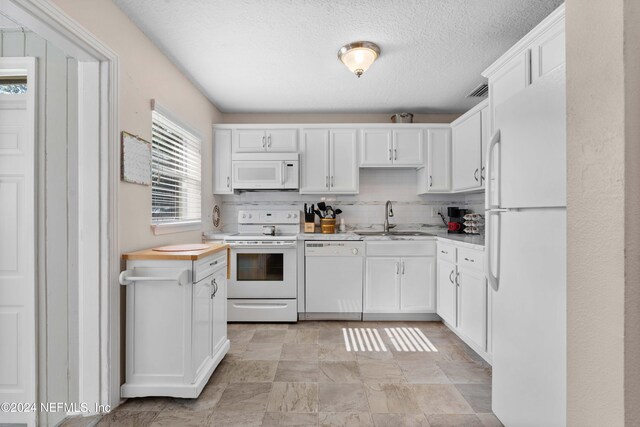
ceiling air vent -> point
(481, 91)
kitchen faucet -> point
(388, 212)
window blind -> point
(175, 172)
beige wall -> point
(603, 143)
(145, 74)
(236, 118)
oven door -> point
(262, 272)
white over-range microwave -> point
(265, 171)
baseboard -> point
(410, 317)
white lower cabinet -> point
(447, 293)
(176, 326)
(462, 295)
(400, 277)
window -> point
(13, 85)
(175, 175)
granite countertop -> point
(473, 241)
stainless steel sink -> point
(393, 233)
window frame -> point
(168, 227)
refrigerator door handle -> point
(495, 140)
(493, 280)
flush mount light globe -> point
(358, 56)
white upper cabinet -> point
(485, 116)
(329, 161)
(467, 146)
(265, 140)
(548, 51)
(343, 161)
(509, 80)
(375, 148)
(386, 147)
(222, 162)
(408, 147)
(435, 177)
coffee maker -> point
(456, 220)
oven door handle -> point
(285, 246)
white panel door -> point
(344, 161)
(282, 140)
(472, 306)
(314, 161)
(382, 285)
(467, 143)
(222, 162)
(17, 244)
(447, 292)
(375, 147)
(418, 285)
(249, 141)
(532, 124)
(408, 147)
(438, 160)
(219, 310)
(201, 327)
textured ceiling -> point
(280, 55)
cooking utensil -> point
(305, 209)
(337, 212)
(322, 206)
(317, 212)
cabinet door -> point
(222, 162)
(344, 161)
(548, 51)
(472, 306)
(438, 160)
(382, 288)
(282, 140)
(219, 311)
(249, 141)
(375, 148)
(512, 78)
(417, 285)
(201, 324)
(447, 292)
(314, 161)
(408, 147)
(467, 143)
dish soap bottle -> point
(343, 226)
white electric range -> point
(263, 282)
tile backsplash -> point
(363, 209)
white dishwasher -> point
(334, 271)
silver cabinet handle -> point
(475, 174)
(333, 182)
(395, 154)
(215, 289)
(444, 252)
(470, 260)
(228, 182)
(264, 141)
(430, 181)
(389, 153)
(403, 267)
(451, 276)
(213, 263)
(326, 181)
(397, 267)
(269, 141)
(482, 178)
(457, 282)
(213, 292)
(282, 171)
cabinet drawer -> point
(446, 252)
(402, 248)
(470, 258)
(206, 266)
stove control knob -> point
(288, 215)
(295, 215)
(354, 251)
(244, 215)
(249, 216)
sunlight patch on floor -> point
(402, 339)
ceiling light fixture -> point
(358, 56)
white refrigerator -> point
(526, 247)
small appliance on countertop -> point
(263, 263)
(456, 220)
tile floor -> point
(301, 374)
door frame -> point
(98, 180)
